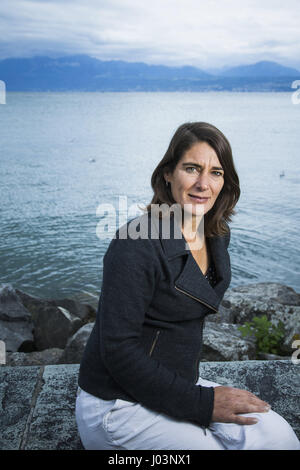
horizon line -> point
(224, 68)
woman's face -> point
(197, 179)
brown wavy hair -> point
(217, 218)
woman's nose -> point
(202, 181)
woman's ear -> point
(166, 177)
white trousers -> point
(122, 425)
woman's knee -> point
(275, 433)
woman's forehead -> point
(201, 153)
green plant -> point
(268, 336)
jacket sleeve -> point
(130, 274)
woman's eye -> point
(188, 168)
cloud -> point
(210, 33)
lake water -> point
(63, 154)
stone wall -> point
(38, 402)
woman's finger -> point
(239, 419)
(252, 408)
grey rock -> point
(54, 326)
(18, 336)
(53, 424)
(17, 386)
(37, 404)
(290, 316)
(276, 382)
(224, 315)
(55, 321)
(85, 312)
(285, 295)
(224, 342)
(45, 357)
(271, 357)
(16, 326)
(11, 307)
(249, 300)
(276, 301)
(74, 349)
(264, 291)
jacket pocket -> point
(154, 342)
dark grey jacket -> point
(146, 343)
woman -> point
(139, 386)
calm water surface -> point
(63, 154)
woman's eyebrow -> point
(200, 166)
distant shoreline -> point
(87, 74)
(287, 90)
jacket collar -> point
(191, 280)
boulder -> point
(224, 342)
(271, 357)
(16, 326)
(75, 346)
(81, 310)
(224, 315)
(290, 316)
(276, 301)
(29, 323)
(48, 356)
(54, 326)
(55, 321)
(252, 299)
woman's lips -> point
(199, 199)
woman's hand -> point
(230, 402)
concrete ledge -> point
(37, 403)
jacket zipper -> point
(198, 359)
(201, 301)
(154, 342)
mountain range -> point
(84, 73)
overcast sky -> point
(203, 33)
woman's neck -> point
(193, 231)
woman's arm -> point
(130, 275)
